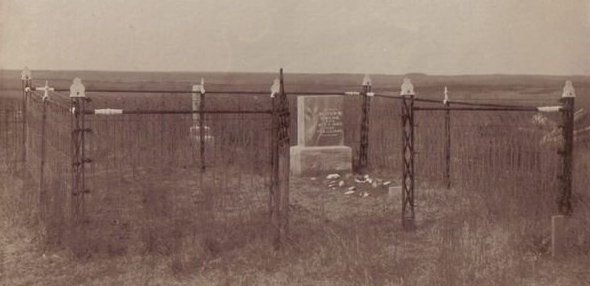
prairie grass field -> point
(153, 218)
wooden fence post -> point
(199, 118)
(279, 194)
(447, 140)
(42, 189)
(274, 196)
(284, 157)
(27, 80)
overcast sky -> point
(376, 36)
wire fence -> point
(156, 175)
(145, 180)
(494, 154)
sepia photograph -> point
(295, 142)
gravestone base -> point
(320, 160)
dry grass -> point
(357, 242)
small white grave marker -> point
(46, 89)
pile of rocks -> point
(357, 185)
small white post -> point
(558, 235)
(275, 88)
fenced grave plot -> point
(150, 187)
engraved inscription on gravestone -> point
(320, 137)
(321, 123)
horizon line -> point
(297, 73)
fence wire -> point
(48, 162)
(498, 155)
(150, 188)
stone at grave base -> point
(320, 160)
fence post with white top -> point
(408, 180)
(78, 101)
(363, 154)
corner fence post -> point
(363, 154)
(567, 131)
(27, 81)
(408, 180)
(447, 140)
(78, 103)
(279, 194)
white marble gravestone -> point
(320, 137)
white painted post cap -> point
(407, 87)
(568, 89)
(77, 89)
(25, 74)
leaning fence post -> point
(279, 195)
(364, 142)
(408, 180)
(447, 140)
(567, 131)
